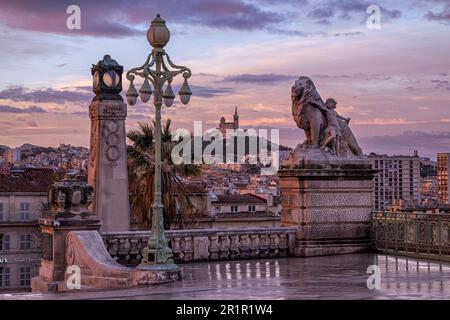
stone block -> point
(331, 205)
(201, 251)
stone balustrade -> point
(206, 244)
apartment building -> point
(23, 198)
(443, 181)
(397, 183)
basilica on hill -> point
(224, 126)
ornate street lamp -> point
(157, 255)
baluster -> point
(214, 247)
(134, 251)
(273, 245)
(113, 247)
(263, 246)
(254, 246)
(224, 247)
(122, 252)
(234, 246)
(187, 249)
(176, 249)
(282, 245)
(244, 246)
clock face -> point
(96, 80)
(111, 78)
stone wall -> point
(206, 244)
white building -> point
(238, 204)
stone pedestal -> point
(52, 271)
(329, 201)
(108, 172)
(69, 200)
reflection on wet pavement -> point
(331, 277)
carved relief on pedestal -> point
(109, 115)
(104, 110)
(112, 139)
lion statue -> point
(312, 120)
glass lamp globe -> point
(111, 78)
(145, 91)
(185, 98)
(168, 102)
(185, 92)
(132, 95)
(168, 96)
(131, 100)
(158, 35)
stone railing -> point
(206, 244)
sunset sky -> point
(392, 82)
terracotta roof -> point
(26, 180)
(240, 198)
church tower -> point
(235, 120)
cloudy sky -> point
(393, 82)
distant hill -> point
(28, 146)
(28, 149)
(227, 146)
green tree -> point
(141, 174)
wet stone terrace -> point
(331, 277)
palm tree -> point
(141, 171)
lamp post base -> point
(172, 267)
(166, 272)
(159, 261)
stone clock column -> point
(108, 172)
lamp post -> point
(157, 255)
